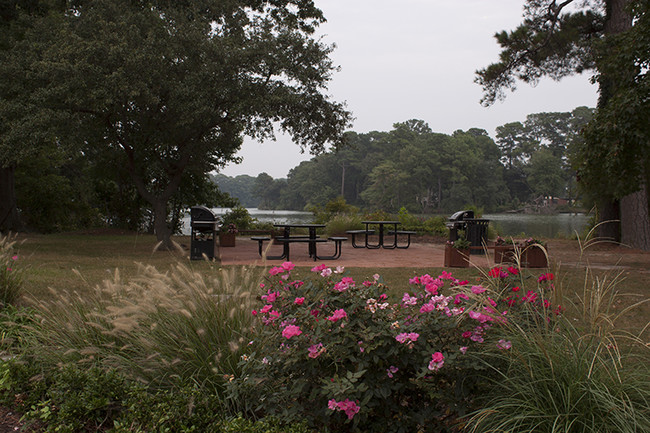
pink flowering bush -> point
(348, 357)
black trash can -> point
(204, 233)
(476, 232)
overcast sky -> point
(416, 59)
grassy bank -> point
(80, 261)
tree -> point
(17, 17)
(171, 87)
(555, 43)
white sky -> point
(416, 59)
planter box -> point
(227, 239)
(455, 258)
(534, 257)
(504, 254)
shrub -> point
(238, 216)
(11, 276)
(340, 354)
(333, 208)
(339, 224)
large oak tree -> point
(171, 86)
(561, 38)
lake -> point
(506, 224)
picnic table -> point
(311, 239)
(383, 228)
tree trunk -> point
(162, 229)
(9, 219)
(609, 227)
(635, 220)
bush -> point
(333, 208)
(339, 354)
(11, 277)
(339, 224)
(238, 216)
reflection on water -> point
(506, 224)
(545, 226)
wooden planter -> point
(227, 239)
(455, 258)
(534, 257)
(504, 254)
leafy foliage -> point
(341, 354)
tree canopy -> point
(167, 89)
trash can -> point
(204, 233)
(457, 222)
(476, 229)
(476, 232)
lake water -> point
(506, 224)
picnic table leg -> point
(394, 244)
(380, 241)
(285, 253)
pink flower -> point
(316, 350)
(546, 277)
(326, 272)
(349, 407)
(270, 297)
(299, 301)
(530, 296)
(287, 266)
(291, 331)
(513, 270)
(265, 309)
(463, 349)
(337, 315)
(458, 298)
(339, 270)
(409, 300)
(344, 284)
(504, 345)
(428, 307)
(467, 334)
(276, 270)
(16, 258)
(409, 337)
(254, 312)
(391, 371)
(319, 268)
(437, 361)
(478, 290)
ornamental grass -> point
(157, 328)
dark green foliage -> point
(160, 92)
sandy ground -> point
(566, 253)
